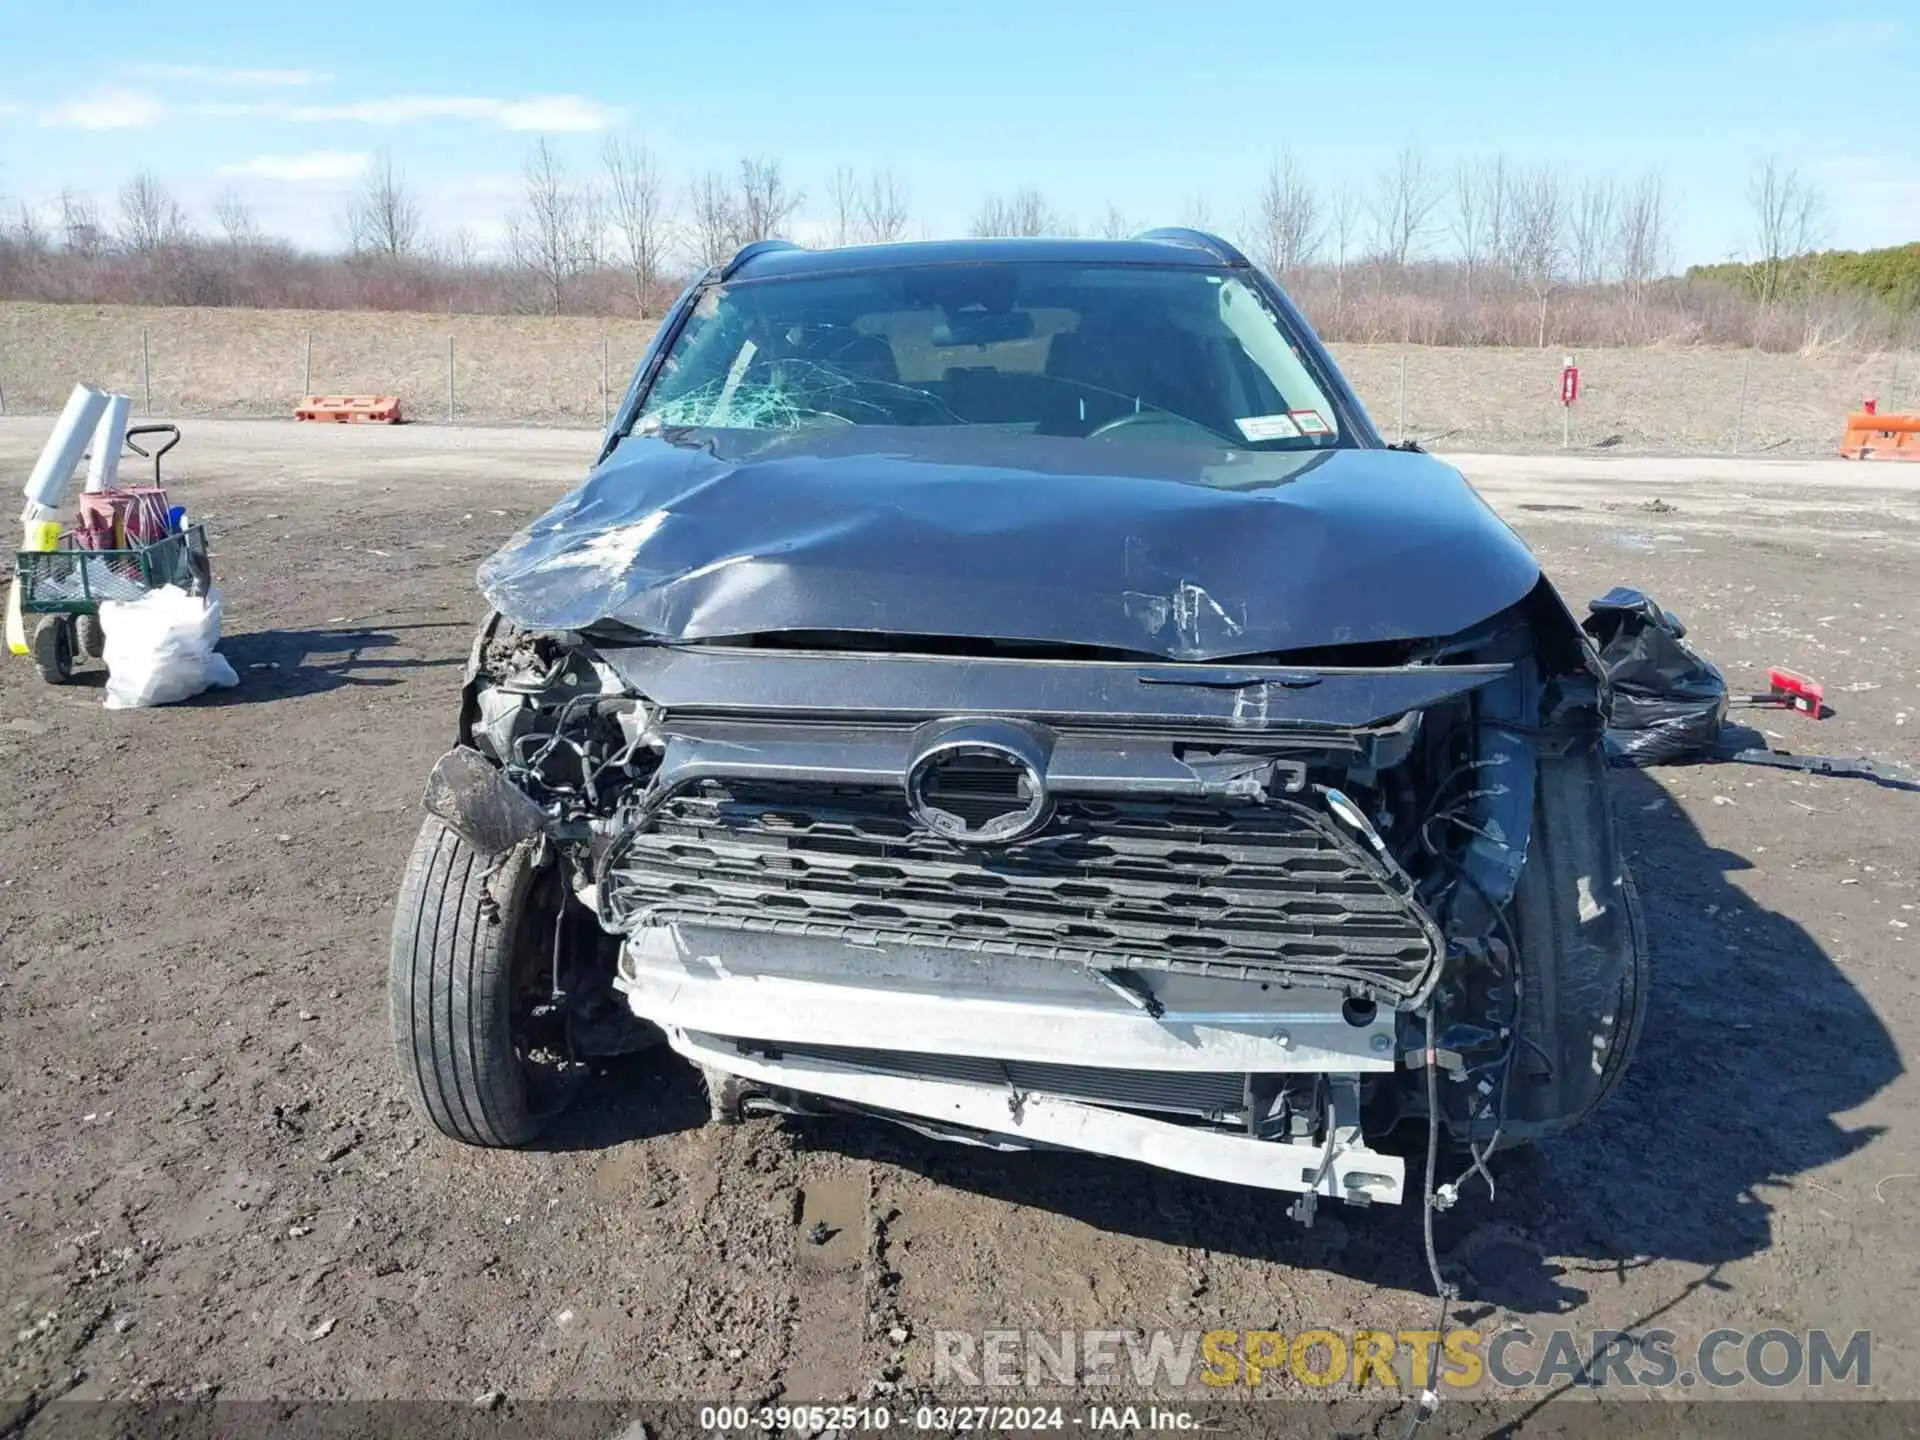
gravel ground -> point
(213, 1185)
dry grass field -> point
(253, 362)
(537, 370)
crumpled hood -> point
(1181, 552)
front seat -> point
(846, 372)
(1091, 387)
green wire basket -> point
(74, 582)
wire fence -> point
(1689, 399)
(459, 368)
(494, 369)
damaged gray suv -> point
(1008, 688)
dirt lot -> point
(527, 369)
(212, 1184)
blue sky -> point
(1159, 109)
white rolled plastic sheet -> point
(109, 436)
(64, 447)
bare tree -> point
(1405, 196)
(1592, 230)
(994, 217)
(882, 209)
(766, 204)
(1287, 219)
(845, 199)
(713, 219)
(1197, 213)
(596, 252)
(549, 236)
(1116, 225)
(80, 231)
(383, 220)
(1539, 246)
(1642, 242)
(1479, 206)
(462, 252)
(235, 219)
(1467, 218)
(29, 233)
(1496, 210)
(1345, 228)
(637, 197)
(1789, 222)
(1025, 212)
(150, 218)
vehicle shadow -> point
(283, 664)
(1754, 1043)
(630, 1097)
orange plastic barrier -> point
(350, 409)
(1872, 436)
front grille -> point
(1207, 1095)
(1255, 893)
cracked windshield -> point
(1172, 356)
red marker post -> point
(1569, 393)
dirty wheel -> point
(468, 969)
(53, 649)
(89, 636)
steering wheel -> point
(1155, 420)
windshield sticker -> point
(1311, 422)
(1271, 427)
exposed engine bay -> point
(1235, 918)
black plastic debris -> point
(1668, 701)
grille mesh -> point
(1251, 892)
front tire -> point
(464, 944)
(1587, 971)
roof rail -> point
(749, 251)
(1199, 239)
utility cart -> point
(65, 586)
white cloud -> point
(215, 75)
(551, 113)
(394, 110)
(107, 110)
(557, 113)
(311, 166)
(126, 109)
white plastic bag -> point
(159, 648)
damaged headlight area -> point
(1235, 919)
